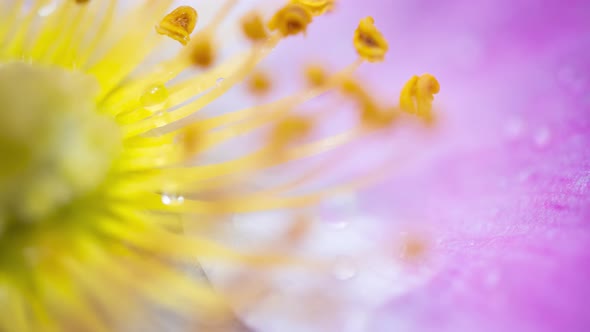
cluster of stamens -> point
(156, 170)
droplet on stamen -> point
(160, 118)
(155, 97)
(172, 199)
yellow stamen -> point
(83, 53)
(253, 27)
(316, 76)
(291, 20)
(290, 130)
(203, 52)
(369, 42)
(179, 24)
(259, 83)
(105, 178)
(316, 7)
(417, 95)
(192, 139)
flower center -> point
(56, 147)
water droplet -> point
(542, 137)
(220, 81)
(160, 118)
(172, 199)
(344, 269)
(154, 97)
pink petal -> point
(504, 184)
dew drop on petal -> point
(172, 199)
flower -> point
(503, 196)
(105, 163)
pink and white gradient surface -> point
(505, 186)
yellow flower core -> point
(104, 162)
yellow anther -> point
(371, 113)
(290, 129)
(179, 24)
(375, 116)
(291, 20)
(259, 83)
(192, 139)
(82, 2)
(316, 76)
(417, 95)
(203, 53)
(253, 27)
(352, 88)
(414, 248)
(369, 42)
(316, 7)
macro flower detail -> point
(417, 95)
(179, 24)
(369, 42)
(106, 162)
(291, 20)
(316, 7)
